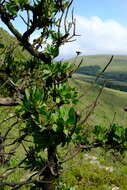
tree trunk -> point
(51, 171)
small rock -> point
(115, 188)
(93, 158)
(110, 168)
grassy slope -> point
(88, 176)
(115, 73)
(83, 173)
(8, 41)
(110, 102)
(119, 62)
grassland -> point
(85, 174)
(115, 74)
(11, 42)
(88, 175)
(119, 62)
(110, 105)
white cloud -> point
(97, 37)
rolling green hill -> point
(115, 75)
(110, 105)
(10, 41)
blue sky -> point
(102, 25)
(105, 9)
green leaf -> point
(27, 93)
(65, 131)
(64, 110)
(23, 125)
(75, 101)
(78, 129)
(43, 111)
(54, 127)
(72, 117)
(1, 45)
(38, 95)
(54, 117)
(57, 100)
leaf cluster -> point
(114, 137)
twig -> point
(103, 70)
(96, 145)
(78, 149)
(28, 20)
(22, 183)
(18, 141)
(65, 19)
(12, 184)
(3, 85)
(24, 21)
(8, 118)
(9, 129)
(59, 25)
(12, 169)
(113, 118)
(98, 76)
(92, 107)
(2, 153)
(78, 65)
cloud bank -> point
(97, 37)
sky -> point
(105, 9)
(102, 25)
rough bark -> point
(51, 171)
(5, 17)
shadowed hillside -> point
(115, 75)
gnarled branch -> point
(5, 17)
